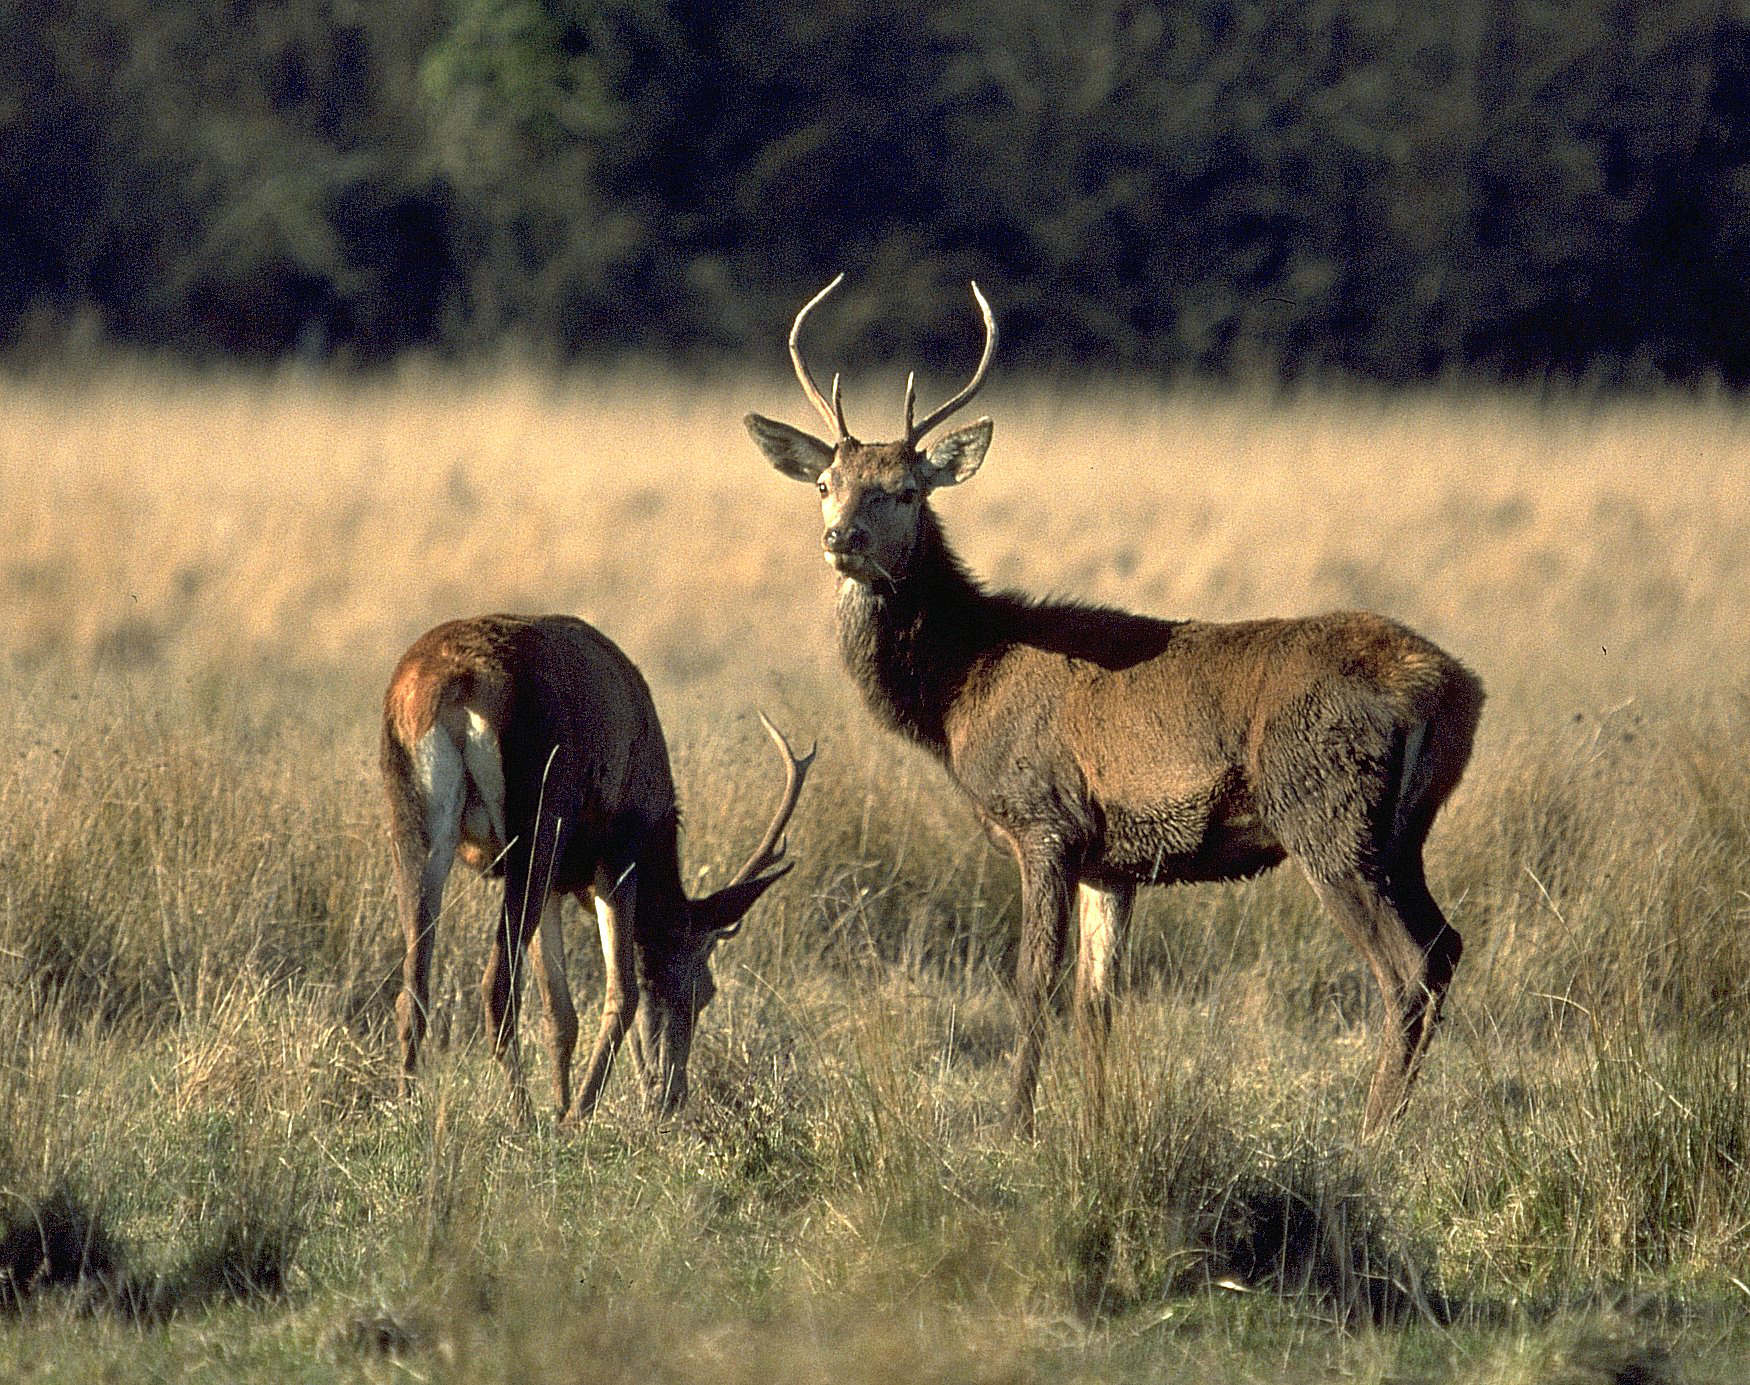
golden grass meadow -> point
(206, 1172)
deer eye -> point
(821, 484)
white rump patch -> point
(440, 775)
(485, 766)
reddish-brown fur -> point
(1106, 750)
(584, 805)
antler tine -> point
(834, 416)
(770, 851)
(838, 409)
(911, 399)
(915, 431)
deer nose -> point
(845, 538)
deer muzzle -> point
(844, 539)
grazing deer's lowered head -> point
(1105, 750)
(529, 747)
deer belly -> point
(1187, 840)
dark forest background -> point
(1261, 188)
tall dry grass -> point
(207, 578)
(177, 523)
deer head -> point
(871, 493)
(675, 984)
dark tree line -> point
(1235, 186)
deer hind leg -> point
(1412, 951)
(527, 880)
(1426, 779)
(1425, 772)
(1045, 901)
(1356, 791)
(614, 905)
(1441, 947)
(547, 953)
(426, 823)
(1103, 917)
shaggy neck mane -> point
(912, 646)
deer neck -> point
(910, 645)
(655, 869)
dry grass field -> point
(206, 579)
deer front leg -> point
(1103, 916)
(614, 911)
(1045, 895)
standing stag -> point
(1105, 750)
(530, 747)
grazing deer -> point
(530, 747)
(1105, 750)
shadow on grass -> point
(61, 1242)
(1291, 1231)
(1297, 1234)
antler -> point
(833, 413)
(771, 848)
(914, 431)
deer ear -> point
(721, 913)
(800, 456)
(959, 454)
